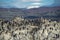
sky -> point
(28, 3)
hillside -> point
(47, 12)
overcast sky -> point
(28, 3)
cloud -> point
(31, 0)
(35, 3)
(29, 7)
(28, 3)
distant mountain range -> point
(47, 12)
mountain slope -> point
(48, 12)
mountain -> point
(43, 10)
(9, 13)
(47, 12)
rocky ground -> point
(26, 29)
